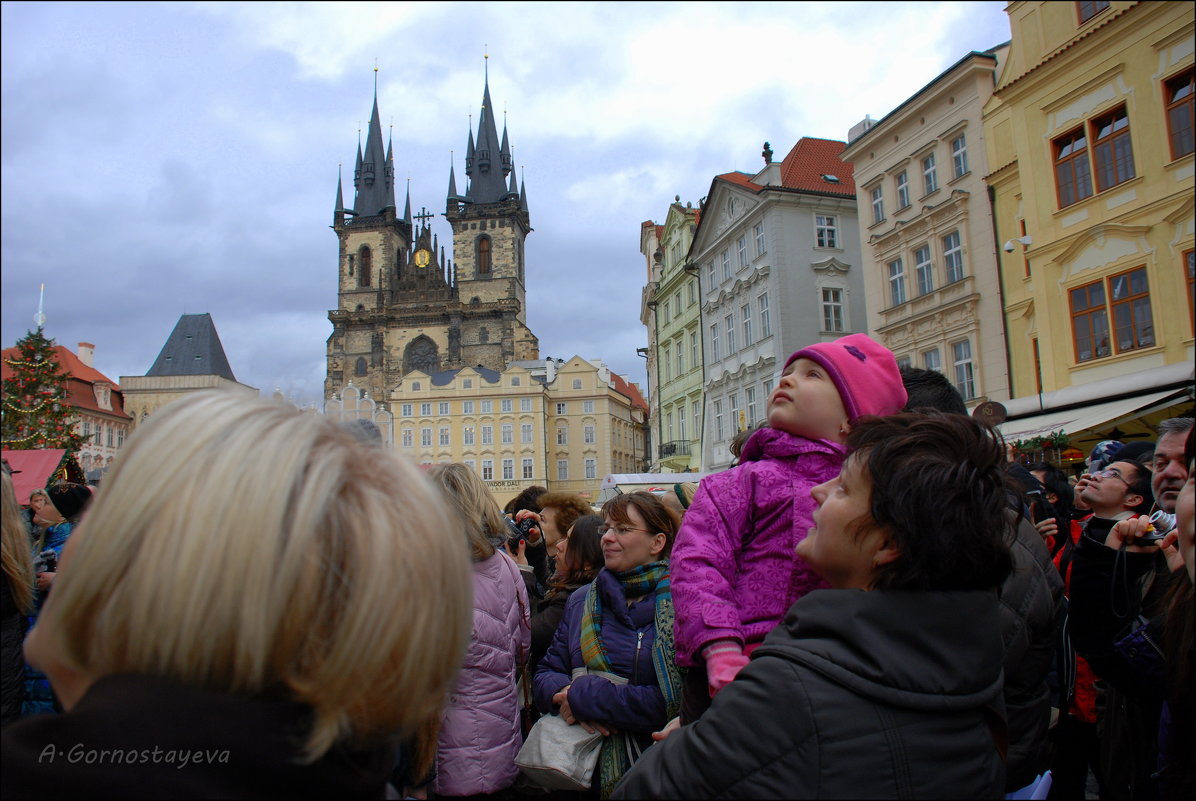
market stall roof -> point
(35, 466)
(1073, 421)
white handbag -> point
(559, 755)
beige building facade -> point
(932, 286)
(562, 425)
(1090, 149)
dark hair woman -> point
(578, 560)
(889, 684)
(611, 666)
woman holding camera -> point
(887, 685)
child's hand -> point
(722, 667)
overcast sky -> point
(170, 158)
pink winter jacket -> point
(734, 572)
(480, 736)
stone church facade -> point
(402, 305)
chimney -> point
(87, 352)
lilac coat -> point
(480, 736)
(734, 571)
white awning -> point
(1073, 421)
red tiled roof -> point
(697, 217)
(80, 382)
(624, 387)
(740, 179)
(810, 159)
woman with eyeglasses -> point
(611, 667)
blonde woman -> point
(481, 733)
(243, 614)
(17, 600)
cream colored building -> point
(563, 425)
(1089, 135)
(932, 287)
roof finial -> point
(40, 317)
(375, 76)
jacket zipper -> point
(635, 666)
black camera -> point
(519, 531)
(45, 562)
(1040, 507)
(1161, 524)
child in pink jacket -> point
(734, 570)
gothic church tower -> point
(402, 306)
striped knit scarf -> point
(616, 755)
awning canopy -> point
(1073, 421)
(36, 468)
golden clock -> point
(423, 257)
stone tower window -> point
(364, 268)
(361, 366)
(483, 254)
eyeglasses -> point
(619, 531)
(1111, 473)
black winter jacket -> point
(1031, 609)
(856, 694)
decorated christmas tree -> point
(34, 399)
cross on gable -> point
(424, 215)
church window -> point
(361, 367)
(515, 381)
(494, 223)
(351, 264)
(363, 270)
(483, 254)
(483, 334)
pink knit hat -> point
(863, 370)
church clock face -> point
(423, 257)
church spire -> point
(505, 150)
(375, 192)
(338, 211)
(523, 195)
(484, 161)
(407, 206)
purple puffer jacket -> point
(734, 572)
(480, 736)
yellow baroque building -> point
(1089, 137)
(561, 425)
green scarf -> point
(616, 750)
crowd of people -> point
(877, 601)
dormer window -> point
(831, 179)
(103, 394)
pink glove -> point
(723, 662)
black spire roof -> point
(193, 348)
(374, 176)
(489, 160)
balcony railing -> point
(678, 447)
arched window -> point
(483, 254)
(363, 269)
(361, 366)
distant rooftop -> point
(193, 349)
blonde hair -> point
(242, 546)
(15, 549)
(478, 512)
